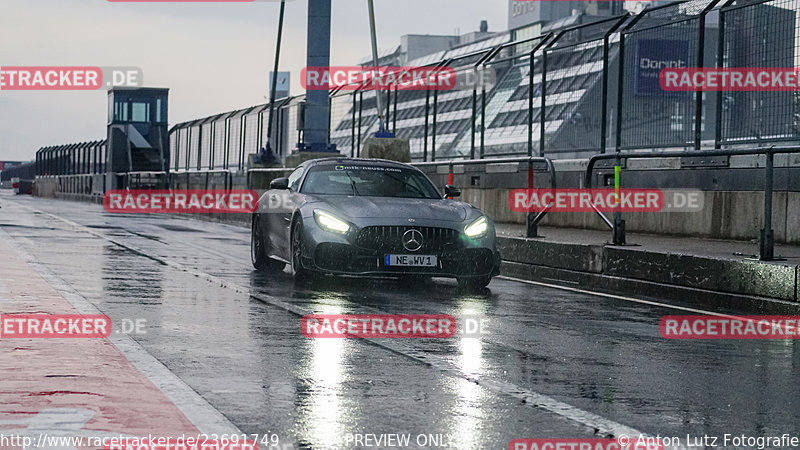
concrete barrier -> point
(711, 281)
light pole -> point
(381, 128)
(274, 83)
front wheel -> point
(258, 253)
(473, 283)
(299, 272)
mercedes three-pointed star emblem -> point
(412, 240)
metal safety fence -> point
(586, 85)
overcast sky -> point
(214, 57)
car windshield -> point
(368, 181)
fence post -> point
(618, 237)
(532, 229)
(435, 108)
(474, 122)
(767, 238)
(620, 90)
(698, 100)
(394, 117)
(720, 60)
(530, 104)
(483, 119)
(542, 109)
(425, 135)
(360, 109)
(604, 99)
(353, 128)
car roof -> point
(363, 161)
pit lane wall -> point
(733, 196)
(709, 282)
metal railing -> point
(133, 180)
(766, 237)
(227, 180)
(532, 221)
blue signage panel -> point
(652, 55)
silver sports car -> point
(371, 217)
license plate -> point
(410, 260)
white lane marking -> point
(599, 424)
(204, 416)
(619, 297)
(637, 300)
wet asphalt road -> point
(233, 335)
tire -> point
(258, 254)
(473, 283)
(300, 273)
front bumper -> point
(362, 252)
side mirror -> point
(451, 191)
(279, 183)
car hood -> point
(405, 208)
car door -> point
(282, 203)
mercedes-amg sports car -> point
(371, 217)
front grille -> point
(390, 238)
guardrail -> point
(129, 177)
(532, 222)
(188, 173)
(766, 238)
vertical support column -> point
(543, 108)
(425, 135)
(483, 120)
(360, 112)
(767, 241)
(604, 97)
(618, 237)
(473, 122)
(394, 116)
(353, 129)
(318, 46)
(719, 95)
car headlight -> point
(477, 228)
(330, 222)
